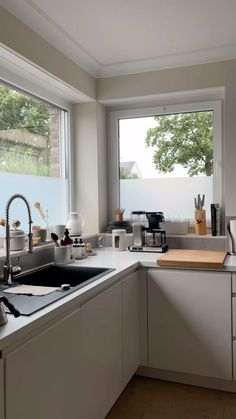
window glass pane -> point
(31, 140)
(165, 161)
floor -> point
(146, 398)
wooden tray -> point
(210, 259)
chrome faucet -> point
(10, 270)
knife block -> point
(200, 222)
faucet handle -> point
(15, 270)
(9, 272)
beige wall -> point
(165, 81)
(18, 37)
(90, 165)
(186, 79)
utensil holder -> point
(63, 255)
(200, 222)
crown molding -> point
(185, 59)
(57, 36)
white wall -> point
(19, 38)
(91, 165)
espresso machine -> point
(148, 235)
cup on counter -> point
(59, 230)
(63, 255)
(40, 232)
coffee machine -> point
(148, 235)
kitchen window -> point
(162, 157)
(33, 155)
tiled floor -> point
(146, 398)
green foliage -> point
(124, 174)
(21, 111)
(185, 139)
(17, 160)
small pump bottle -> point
(67, 240)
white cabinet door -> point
(1, 389)
(189, 322)
(101, 353)
(43, 376)
(130, 326)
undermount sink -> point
(52, 276)
(55, 275)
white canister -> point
(75, 223)
(59, 230)
(119, 239)
(17, 240)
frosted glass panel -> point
(173, 196)
(51, 192)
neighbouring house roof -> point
(23, 136)
(131, 167)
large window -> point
(164, 157)
(33, 155)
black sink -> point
(52, 276)
(55, 275)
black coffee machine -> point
(151, 238)
(154, 235)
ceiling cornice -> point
(69, 46)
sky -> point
(132, 147)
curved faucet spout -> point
(8, 269)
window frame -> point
(113, 148)
(66, 149)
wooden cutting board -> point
(210, 259)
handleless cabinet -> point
(131, 325)
(1, 389)
(189, 322)
(43, 375)
(101, 353)
(234, 322)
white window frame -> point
(66, 150)
(113, 149)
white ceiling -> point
(114, 37)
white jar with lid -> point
(119, 239)
(75, 223)
(17, 240)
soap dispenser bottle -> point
(76, 249)
(67, 240)
(82, 248)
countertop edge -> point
(15, 331)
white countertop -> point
(122, 262)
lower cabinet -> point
(73, 370)
(1, 389)
(77, 368)
(101, 353)
(131, 313)
(234, 322)
(189, 322)
(43, 377)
